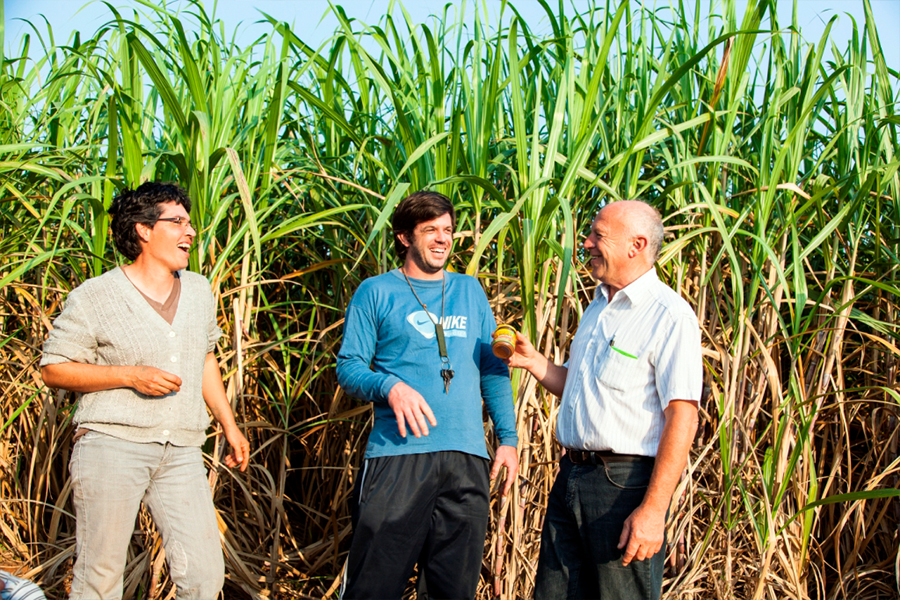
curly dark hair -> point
(417, 208)
(141, 205)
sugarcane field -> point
(279, 159)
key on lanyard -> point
(447, 375)
(446, 372)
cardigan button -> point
(165, 432)
(171, 334)
(174, 359)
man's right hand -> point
(151, 381)
(86, 378)
(524, 354)
(410, 408)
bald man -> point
(627, 418)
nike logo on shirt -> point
(423, 322)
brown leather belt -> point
(601, 457)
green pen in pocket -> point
(612, 344)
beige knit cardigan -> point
(106, 321)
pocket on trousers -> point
(85, 435)
(629, 475)
(85, 438)
(361, 484)
(381, 469)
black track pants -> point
(427, 508)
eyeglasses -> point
(180, 221)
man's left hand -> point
(240, 449)
(506, 456)
(642, 535)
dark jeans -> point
(587, 507)
(427, 508)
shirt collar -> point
(637, 291)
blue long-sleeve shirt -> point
(389, 338)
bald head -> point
(639, 219)
(623, 243)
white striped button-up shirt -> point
(628, 360)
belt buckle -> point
(582, 457)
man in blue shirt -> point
(417, 345)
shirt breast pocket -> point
(621, 370)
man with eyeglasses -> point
(138, 343)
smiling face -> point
(618, 255)
(606, 243)
(165, 242)
(429, 248)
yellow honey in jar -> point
(504, 343)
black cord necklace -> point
(446, 371)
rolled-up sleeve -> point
(72, 338)
(213, 332)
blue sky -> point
(66, 16)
